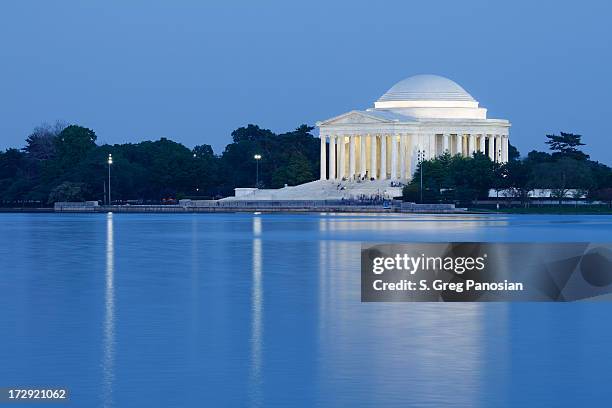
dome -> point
(426, 88)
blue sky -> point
(195, 70)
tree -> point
(205, 173)
(12, 161)
(561, 176)
(250, 133)
(68, 191)
(471, 177)
(411, 193)
(566, 145)
(277, 152)
(513, 153)
(73, 143)
(602, 175)
(501, 178)
(296, 171)
(604, 194)
(41, 144)
(455, 178)
(435, 178)
(538, 157)
(203, 152)
(518, 178)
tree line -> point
(565, 169)
(64, 163)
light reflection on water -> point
(257, 310)
(108, 361)
(435, 349)
(269, 307)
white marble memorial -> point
(426, 114)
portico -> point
(421, 116)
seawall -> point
(259, 206)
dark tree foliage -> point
(463, 180)
(41, 143)
(453, 179)
(604, 194)
(562, 175)
(74, 143)
(68, 191)
(566, 145)
(513, 153)
(289, 158)
(64, 162)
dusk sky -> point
(194, 70)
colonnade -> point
(395, 156)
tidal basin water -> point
(216, 310)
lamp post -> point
(110, 161)
(257, 158)
(421, 158)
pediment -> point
(354, 117)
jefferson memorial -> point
(372, 152)
(420, 117)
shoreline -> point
(170, 209)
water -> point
(248, 310)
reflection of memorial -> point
(403, 352)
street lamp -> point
(257, 158)
(421, 158)
(110, 161)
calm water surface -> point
(264, 310)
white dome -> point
(426, 88)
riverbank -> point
(550, 210)
(174, 209)
(26, 210)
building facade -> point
(420, 117)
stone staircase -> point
(326, 190)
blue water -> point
(218, 310)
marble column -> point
(362, 152)
(383, 157)
(482, 144)
(323, 157)
(341, 147)
(433, 147)
(446, 143)
(471, 144)
(491, 147)
(498, 148)
(504, 149)
(403, 156)
(394, 175)
(412, 147)
(332, 157)
(351, 175)
(459, 143)
(373, 157)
